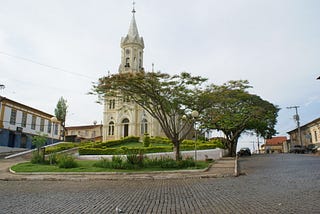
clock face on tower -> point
(127, 51)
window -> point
(24, 119)
(127, 65)
(49, 127)
(56, 128)
(315, 136)
(144, 126)
(42, 125)
(13, 116)
(33, 122)
(112, 104)
(111, 128)
(310, 137)
(86, 133)
(93, 134)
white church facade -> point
(123, 117)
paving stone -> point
(279, 183)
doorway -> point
(125, 123)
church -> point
(123, 117)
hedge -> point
(60, 147)
(123, 150)
(199, 146)
(103, 148)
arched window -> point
(111, 128)
(127, 62)
(144, 126)
(112, 104)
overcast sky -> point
(54, 48)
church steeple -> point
(132, 46)
(133, 29)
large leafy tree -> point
(167, 98)
(61, 112)
(230, 108)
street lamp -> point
(195, 115)
(53, 120)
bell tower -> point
(132, 46)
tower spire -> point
(132, 46)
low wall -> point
(213, 154)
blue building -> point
(19, 123)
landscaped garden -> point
(128, 156)
(130, 145)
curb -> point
(90, 176)
(236, 167)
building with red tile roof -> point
(276, 144)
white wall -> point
(27, 129)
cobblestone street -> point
(280, 183)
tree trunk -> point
(176, 151)
(232, 149)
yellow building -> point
(276, 145)
(310, 134)
(84, 133)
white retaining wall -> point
(213, 154)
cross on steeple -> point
(133, 9)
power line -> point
(45, 65)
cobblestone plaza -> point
(282, 183)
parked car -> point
(244, 152)
(298, 149)
(312, 148)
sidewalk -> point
(224, 167)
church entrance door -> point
(125, 123)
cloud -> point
(273, 44)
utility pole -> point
(258, 144)
(297, 118)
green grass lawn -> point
(87, 166)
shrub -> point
(168, 163)
(160, 140)
(130, 139)
(98, 151)
(53, 158)
(37, 157)
(146, 140)
(59, 147)
(103, 163)
(218, 143)
(135, 159)
(112, 143)
(188, 162)
(117, 162)
(67, 161)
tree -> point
(167, 98)
(39, 141)
(61, 113)
(230, 108)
